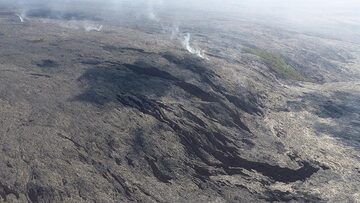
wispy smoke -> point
(176, 35)
(151, 13)
(192, 50)
(90, 27)
(334, 18)
(21, 18)
(151, 9)
(174, 32)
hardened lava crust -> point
(93, 110)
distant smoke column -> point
(174, 32)
(150, 11)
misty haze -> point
(179, 101)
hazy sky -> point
(331, 9)
(331, 16)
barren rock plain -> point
(96, 109)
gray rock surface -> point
(127, 114)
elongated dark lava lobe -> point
(196, 140)
(276, 173)
(200, 139)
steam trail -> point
(187, 46)
(89, 28)
(20, 17)
(174, 32)
(151, 11)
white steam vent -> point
(192, 50)
(90, 27)
(21, 18)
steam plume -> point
(89, 27)
(20, 17)
(174, 32)
(151, 14)
(192, 50)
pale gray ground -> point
(127, 114)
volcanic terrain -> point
(95, 109)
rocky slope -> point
(127, 114)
